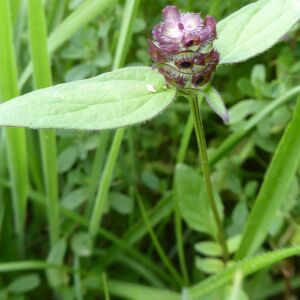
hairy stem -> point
(198, 125)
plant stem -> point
(43, 78)
(105, 286)
(198, 124)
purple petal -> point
(171, 30)
(156, 53)
(171, 14)
(209, 33)
(191, 21)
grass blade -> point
(104, 184)
(43, 78)
(274, 188)
(155, 241)
(16, 141)
(87, 11)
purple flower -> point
(179, 32)
(182, 48)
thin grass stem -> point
(159, 249)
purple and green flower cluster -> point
(182, 48)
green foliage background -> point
(156, 171)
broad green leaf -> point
(24, 283)
(193, 203)
(274, 189)
(216, 103)
(246, 267)
(116, 99)
(255, 28)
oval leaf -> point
(255, 28)
(193, 202)
(116, 99)
(24, 284)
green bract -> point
(116, 99)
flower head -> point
(182, 48)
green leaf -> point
(75, 198)
(82, 245)
(121, 203)
(56, 277)
(209, 265)
(116, 99)
(193, 203)
(274, 189)
(24, 284)
(245, 86)
(209, 248)
(255, 28)
(247, 266)
(258, 75)
(243, 109)
(67, 159)
(216, 103)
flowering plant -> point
(183, 48)
(186, 50)
(183, 52)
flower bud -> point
(182, 48)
